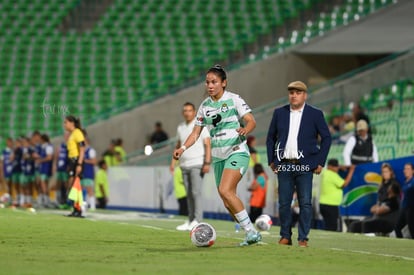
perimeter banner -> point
(361, 193)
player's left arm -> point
(245, 112)
(249, 125)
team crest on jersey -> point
(224, 108)
(200, 119)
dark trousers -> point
(255, 212)
(377, 226)
(101, 203)
(371, 225)
(301, 182)
(406, 218)
(182, 206)
(330, 214)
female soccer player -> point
(76, 154)
(220, 113)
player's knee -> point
(221, 190)
(225, 193)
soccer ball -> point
(203, 235)
(263, 223)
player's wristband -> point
(183, 147)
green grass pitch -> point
(112, 242)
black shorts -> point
(72, 164)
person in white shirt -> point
(360, 147)
(194, 163)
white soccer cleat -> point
(183, 227)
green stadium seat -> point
(149, 46)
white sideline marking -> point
(151, 227)
(375, 254)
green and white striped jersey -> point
(222, 119)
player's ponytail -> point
(75, 120)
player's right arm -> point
(173, 160)
(191, 139)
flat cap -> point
(298, 85)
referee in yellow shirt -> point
(76, 153)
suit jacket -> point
(311, 152)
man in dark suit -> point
(298, 143)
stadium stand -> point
(391, 111)
(137, 51)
